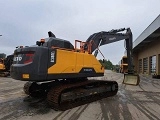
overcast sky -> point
(23, 22)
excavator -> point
(124, 65)
(60, 72)
(5, 63)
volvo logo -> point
(87, 69)
(17, 58)
(113, 38)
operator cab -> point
(2, 55)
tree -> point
(107, 64)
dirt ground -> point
(131, 103)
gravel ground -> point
(140, 102)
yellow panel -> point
(79, 61)
(88, 60)
(2, 67)
(65, 62)
(73, 62)
(97, 65)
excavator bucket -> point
(131, 79)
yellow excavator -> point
(2, 66)
(5, 63)
(56, 69)
(124, 65)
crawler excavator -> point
(54, 68)
(5, 63)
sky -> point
(23, 22)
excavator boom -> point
(103, 38)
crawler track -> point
(69, 95)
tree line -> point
(108, 64)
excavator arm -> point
(103, 38)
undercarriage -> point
(4, 74)
(63, 95)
